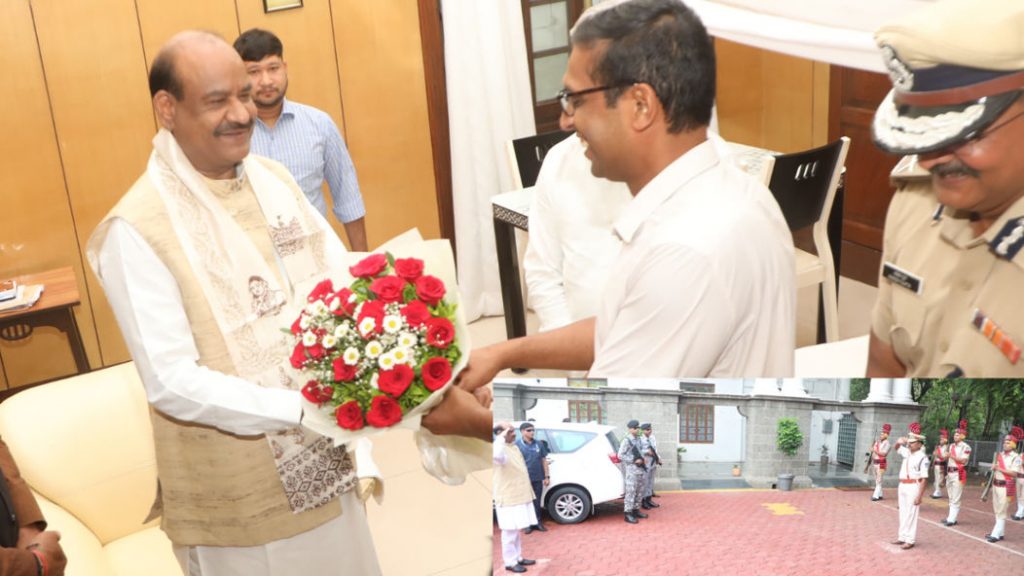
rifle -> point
(654, 452)
(636, 454)
(991, 477)
(870, 459)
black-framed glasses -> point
(565, 97)
(977, 136)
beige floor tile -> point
(479, 567)
(425, 527)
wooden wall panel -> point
(36, 228)
(96, 73)
(771, 100)
(159, 20)
(382, 85)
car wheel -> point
(569, 505)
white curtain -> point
(489, 103)
(834, 31)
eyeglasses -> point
(566, 98)
(970, 144)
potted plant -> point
(788, 440)
(681, 450)
(736, 470)
(824, 457)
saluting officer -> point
(632, 457)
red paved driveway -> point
(769, 533)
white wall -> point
(730, 436)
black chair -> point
(526, 155)
(804, 184)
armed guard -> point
(632, 457)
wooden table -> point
(54, 309)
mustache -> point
(232, 127)
(953, 168)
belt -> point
(1000, 483)
(940, 462)
(907, 481)
(877, 461)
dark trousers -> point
(538, 489)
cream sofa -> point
(85, 446)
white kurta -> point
(704, 284)
(571, 246)
(151, 315)
(914, 467)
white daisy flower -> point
(330, 341)
(407, 340)
(304, 321)
(335, 304)
(374, 349)
(401, 356)
(341, 329)
(386, 361)
(308, 339)
(351, 356)
(392, 324)
(367, 326)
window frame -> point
(705, 425)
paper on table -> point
(26, 298)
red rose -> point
(347, 302)
(395, 381)
(343, 372)
(440, 332)
(409, 268)
(349, 415)
(321, 290)
(296, 326)
(316, 351)
(415, 312)
(316, 393)
(370, 266)
(383, 412)
(430, 289)
(298, 357)
(436, 373)
(388, 288)
(372, 309)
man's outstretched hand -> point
(462, 413)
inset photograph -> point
(918, 473)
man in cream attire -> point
(179, 257)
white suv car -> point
(583, 465)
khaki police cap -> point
(955, 65)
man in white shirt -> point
(704, 283)
(572, 244)
(913, 482)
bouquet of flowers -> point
(379, 350)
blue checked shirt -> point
(308, 143)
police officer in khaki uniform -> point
(953, 252)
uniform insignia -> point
(1010, 239)
(901, 277)
(996, 336)
(900, 74)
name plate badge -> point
(901, 277)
